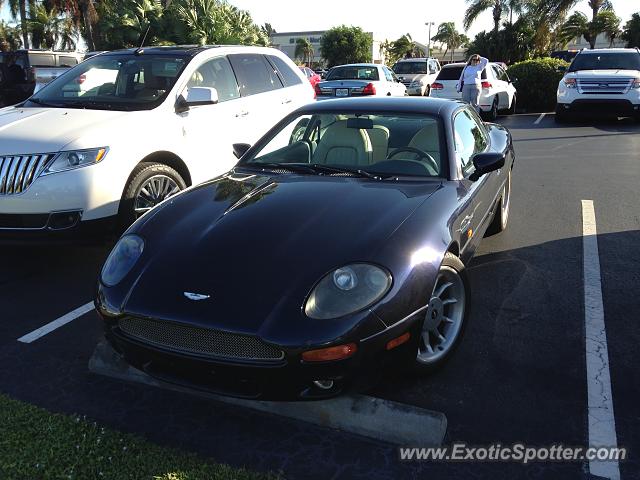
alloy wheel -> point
(153, 191)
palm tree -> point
(83, 14)
(449, 36)
(304, 50)
(578, 25)
(477, 7)
(15, 7)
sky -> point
(386, 18)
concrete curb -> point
(371, 417)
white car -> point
(153, 122)
(417, 74)
(498, 92)
(603, 81)
(358, 80)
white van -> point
(122, 131)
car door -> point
(263, 90)
(210, 131)
(296, 91)
(509, 87)
(470, 138)
(501, 86)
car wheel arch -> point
(172, 160)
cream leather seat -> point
(343, 146)
(427, 139)
(379, 136)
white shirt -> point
(471, 73)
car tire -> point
(149, 184)
(444, 318)
(501, 215)
(492, 114)
(561, 116)
(512, 108)
(427, 91)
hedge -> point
(537, 82)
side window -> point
(387, 74)
(42, 60)
(432, 67)
(67, 61)
(255, 75)
(469, 137)
(216, 73)
(286, 72)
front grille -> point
(199, 341)
(604, 86)
(406, 82)
(17, 172)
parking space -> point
(520, 374)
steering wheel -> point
(421, 154)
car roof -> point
(416, 59)
(452, 65)
(424, 105)
(598, 51)
(179, 50)
(358, 65)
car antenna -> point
(139, 50)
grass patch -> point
(36, 444)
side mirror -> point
(485, 163)
(239, 149)
(197, 96)
(562, 68)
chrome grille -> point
(17, 172)
(198, 341)
(604, 85)
(406, 82)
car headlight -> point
(347, 290)
(122, 259)
(75, 159)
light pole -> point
(429, 44)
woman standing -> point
(470, 83)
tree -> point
(579, 25)
(304, 50)
(449, 36)
(513, 43)
(477, 7)
(403, 47)
(9, 37)
(632, 31)
(345, 44)
(19, 7)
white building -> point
(286, 42)
(602, 41)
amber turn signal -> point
(396, 342)
(329, 354)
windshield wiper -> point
(294, 167)
(355, 172)
(45, 104)
(96, 105)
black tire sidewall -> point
(143, 172)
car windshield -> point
(606, 61)
(378, 145)
(410, 67)
(114, 82)
(353, 73)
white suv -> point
(603, 81)
(417, 74)
(154, 121)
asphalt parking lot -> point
(520, 374)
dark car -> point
(336, 247)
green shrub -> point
(537, 82)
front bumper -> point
(287, 379)
(619, 107)
(417, 91)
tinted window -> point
(66, 61)
(606, 61)
(216, 73)
(469, 139)
(450, 73)
(356, 72)
(410, 67)
(42, 60)
(387, 74)
(255, 75)
(286, 72)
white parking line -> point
(50, 327)
(542, 115)
(602, 423)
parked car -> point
(27, 71)
(312, 76)
(361, 79)
(498, 92)
(337, 245)
(143, 131)
(322, 72)
(417, 74)
(601, 82)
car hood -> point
(603, 73)
(257, 244)
(44, 130)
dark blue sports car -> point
(335, 247)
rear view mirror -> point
(239, 149)
(361, 123)
(485, 163)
